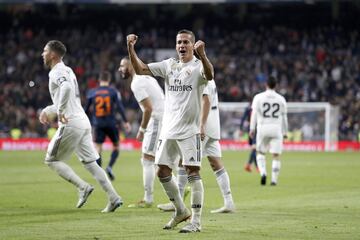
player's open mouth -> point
(182, 51)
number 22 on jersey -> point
(271, 110)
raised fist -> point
(131, 39)
(199, 48)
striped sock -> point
(197, 198)
(172, 191)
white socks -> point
(223, 181)
(260, 159)
(172, 191)
(182, 179)
(66, 172)
(99, 174)
(148, 179)
(197, 198)
(276, 165)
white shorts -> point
(69, 139)
(170, 151)
(211, 147)
(269, 139)
(151, 137)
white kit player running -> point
(210, 136)
(74, 132)
(269, 117)
(150, 97)
(185, 80)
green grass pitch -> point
(318, 197)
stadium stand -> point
(313, 62)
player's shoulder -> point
(172, 60)
(281, 97)
(91, 92)
(137, 81)
(112, 90)
(60, 70)
(259, 95)
(169, 62)
(140, 78)
(142, 81)
(211, 83)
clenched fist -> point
(199, 48)
(131, 39)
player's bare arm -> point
(204, 115)
(139, 66)
(199, 48)
(146, 104)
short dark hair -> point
(187, 32)
(271, 82)
(105, 76)
(58, 47)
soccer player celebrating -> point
(269, 117)
(210, 135)
(74, 132)
(150, 97)
(185, 80)
(105, 101)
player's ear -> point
(52, 54)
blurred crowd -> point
(314, 64)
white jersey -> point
(184, 86)
(212, 127)
(269, 110)
(147, 87)
(65, 95)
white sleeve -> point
(206, 90)
(158, 69)
(140, 94)
(253, 118)
(65, 90)
(284, 119)
(202, 75)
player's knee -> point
(192, 170)
(276, 155)
(115, 146)
(98, 147)
(215, 163)
(259, 153)
(50, 164)
(163, 171)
